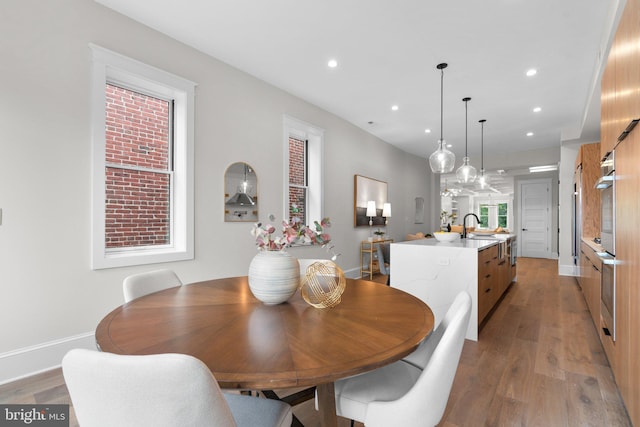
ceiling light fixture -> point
(537, 109)
(394, 107)
(442, 160)
(546, 168)
(483, 180)
(427, 131)
(466, 173)
(529, 133)
(532, 72)
(332, 63)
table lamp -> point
(386, 213)
(371, 212)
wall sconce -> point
(386, 213)
(371, 212)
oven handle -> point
(604, 182)
(607, 258)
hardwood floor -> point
(538, 362)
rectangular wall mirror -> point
(366, 189)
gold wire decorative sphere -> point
(323, 284)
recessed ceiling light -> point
(332, 63)
(394, 107)
(529, 133)
(532, 72)
(427, 131)
(537, 110)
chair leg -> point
(352, 423)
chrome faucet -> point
(464, 223)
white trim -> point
(567, 270)
(315, 137)
(114, 67)
(28, 361)
(549, 182)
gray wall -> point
(49, 292)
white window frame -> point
(314, 136)
(112, 67)
(493, 210)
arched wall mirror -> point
(240, 193)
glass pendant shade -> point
(442, 160)
(466, 173)
(483, 180)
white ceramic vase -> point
(274, 276)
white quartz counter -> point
(474, 243)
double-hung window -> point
(303, 147)
(142, 132)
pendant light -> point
(483, 179)
(442, 160)
(466, 173)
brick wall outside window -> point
(137, 201)
(297, 177)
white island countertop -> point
(479, 241)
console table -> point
(368, 253)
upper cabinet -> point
(589, 159)
(620, 99)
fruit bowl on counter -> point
(443, 236)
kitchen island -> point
(437, 271)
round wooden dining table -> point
(249, 345)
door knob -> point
(524, 229)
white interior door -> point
(535, 218)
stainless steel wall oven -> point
(607, 185)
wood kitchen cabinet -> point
(619, 101)
(608, 135)
(588, 162)
(620, 104)
(627, 344)
(488, 285)
(590, 277)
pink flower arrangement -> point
(293, 233)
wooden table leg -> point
(327, 405)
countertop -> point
(477, 244)
(593, 245)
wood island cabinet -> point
(488, 286)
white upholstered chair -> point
(413, 391)
(141, 284)
(159, 390)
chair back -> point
(438, 356)
(141, 284)
(384, 258)
(154, 390)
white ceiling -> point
(387, 52)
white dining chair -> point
(161, 390)
(413, 391)
(141, 284)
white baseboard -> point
(353, 273)
(28, 361)
(567, 270)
